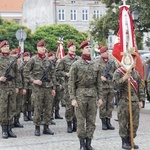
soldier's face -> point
(5, 49)
(72, 48)
(87, 50)
(105, 54)
(41, 49)
(26, 58)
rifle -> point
(106, 73)
(6, 74)
(44, 77)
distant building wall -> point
(37, 13)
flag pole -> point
(130, 112)
(130, 105)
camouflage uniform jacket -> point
(34, 70)
(103, 66)
(123, 86)
(85, 76)
(64, 66)
(4, 64)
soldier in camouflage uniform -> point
(9, 86)
(59, 90)
(107, 66)
(19, 97)
(84, 89)
(62, 70)
(120, 79)
(27, 107)
(41, 88)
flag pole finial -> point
(124, 2)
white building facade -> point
(78, 13)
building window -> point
(61, 14)
(97, 14)
(73, 15)
(85, 15)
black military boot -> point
(125, 144)
(135, 146)
(47, 130)
(29, 116)
(104, 124)
(82, 144)
(69, 127)
(57, 115)
(10, 133)
(88, 144)
(25, 117)
(74, 125)
(52, 122)
(109, 126)
(37, 131)
(17, 123)
(4, 131)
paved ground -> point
(103, 140)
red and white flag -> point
(60, 51)
(125, 47)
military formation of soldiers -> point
(35, 86)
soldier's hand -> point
(53, 93)
(99, 102)
(126, 76)
(24, 91)
(17, 90)
(103, 78)
(3, 79)
(140, 105)
(74, 103)
(38, 82)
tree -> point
(99, 27)
(51, 34)
(48, 33)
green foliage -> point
(51, 34)
(100, 27)
(48, 33)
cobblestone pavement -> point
(61, 140)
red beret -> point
(51, 53)
(70, 44)
(103, 49)
(26, 54)
(84, 43)
(41, 43)
(14, 51)
(4, 43)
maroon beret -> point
(51, 53)
(4, 43)
(14, 51)
(41, 43)
(26, 54)
(70, 44)
(103, 49)
(84, 43)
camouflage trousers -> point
(108, 104)
(42, 101)
(86, 115)
(69, 112)
(26, 102)
(7, 105)
(58, 97)
(124, 118)
(19, 99)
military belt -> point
(86, 86)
